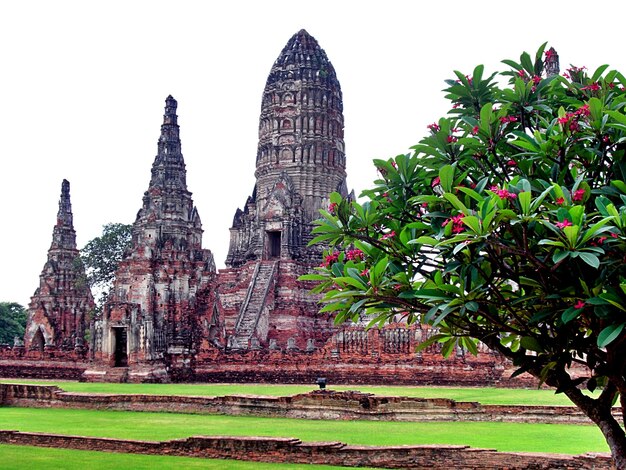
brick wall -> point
(330, 453)
(318, 404)
(42, 369)
(347, 368)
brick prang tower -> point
(300, 161)
(300, 158)
(552, 62)
(59, 311)
(152, 313)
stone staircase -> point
(262, 280)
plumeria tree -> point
(506, 225)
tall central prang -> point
(300, 161)
(300, 158)
(152, 314)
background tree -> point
(505, 225)
(12, 321)
(102, 255)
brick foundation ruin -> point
(318, 404)
(315, 405)
(291, 450)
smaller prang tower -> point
(300, 161)
(150, 321)
(552, 62)
(60, 309)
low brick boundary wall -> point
(287, 450)
(317, 404)
(43, 369)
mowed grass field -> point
(513, 437)
(486, 395)
(550, 438)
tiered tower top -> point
(63, 234)
(168, 168)
(300, 158)
(301, 123)
(168, 214)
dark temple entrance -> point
(273, 245)
(121, 355)
(38, 342)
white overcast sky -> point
(84, 82)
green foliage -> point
(12, 321)
(101, 256)
(506, 224)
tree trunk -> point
(601, 415)
(616, 440)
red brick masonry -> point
(264, 449)
(318, 404)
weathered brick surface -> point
(285, 366)
(300, 161)
(46, 368)
(331, 453)
(59, 310)
(314, 405)
(160, 290)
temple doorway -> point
(120, 351)
(273, 245)
(38, 342)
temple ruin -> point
(300, 161)
(60, 309)
(171, 316)
(157, 297)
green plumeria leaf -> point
(609, 334)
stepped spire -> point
(63, 234)
(59, 310)
(552, 62)
(168, 168)
(167, 204)
(64, 216)
(154, 304)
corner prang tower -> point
(58, 313)
(300, 161)
(151, 316)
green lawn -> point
(39, 458)
(486, 395)
(554, 438)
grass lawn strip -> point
(506, 437)
(486, 395)
(40, 458)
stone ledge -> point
(318, 404)
(291, 450)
